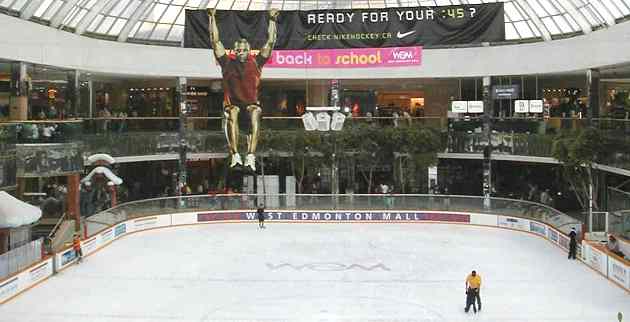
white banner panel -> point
(150, 222)
(521, 106)
(535, 106)
(89, 245)
(37, 273)
(184, 219)
(106, 236)
(596, 259)
(512, 222)
(485, 220)
(538, 228)
(64, 258)
(619, 272)
(459, 107)
(475, 106)
(22, 281)
(121, 230)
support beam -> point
(592, 88)
(135, 17)
(578, 16)
(30, 9)
(546, 35)
(61, 14)
(89, 17)
(181, 134)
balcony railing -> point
(8, 156)
(150, 136)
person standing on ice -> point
(261, 216)
(473, 285)
(572, 244)
(76, 245)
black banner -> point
(359, 28)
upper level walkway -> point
(66, 143)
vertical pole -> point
(113, 194)
(91, 98)
(487, 153)
(334, 101)
(592, 88)
(19, 92)
(590, 207)
(181, 134)
(73, 208)
(76, 101)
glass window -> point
(510, 32)
(42, 8)
(160, 31)
(117, 27)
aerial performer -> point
(241, 83)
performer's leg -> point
(252, 139)
(254, 112)
(231, 133)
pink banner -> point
(346, 58)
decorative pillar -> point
(316, 93)
(92, 98)
(19, 92)
(112, 193)
(74, 94)
(4, 240)
(592, 89)
(335, 87)
(181, 134)
(488, 106)
(20, 186)
(72, 201)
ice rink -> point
(322, 272)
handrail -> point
(341, 202)
(56, 227)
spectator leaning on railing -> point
(613, 246)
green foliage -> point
(366, 145)
(577, 151)
(579, 147)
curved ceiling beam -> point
(61, 14)
(30, 9)
(135, 17)
(577, 15)
(546, 35)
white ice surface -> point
(228, 272)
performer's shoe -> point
(236, 160)
(250, 161)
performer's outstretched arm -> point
(272, 32)
(217, 46)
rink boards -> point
(609, 266)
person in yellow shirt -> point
(473, 285)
